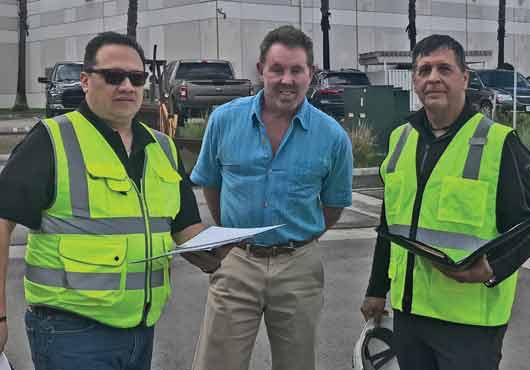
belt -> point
(272, 250)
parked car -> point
(196, 86)
(326, 91)
(489, 85)
(63, 88)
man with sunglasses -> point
(99, 190)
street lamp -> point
(324, 24)
(218, 11)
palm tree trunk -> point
(21, 102)
(501, 32)
(132, 18)
(411, 28)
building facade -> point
(60, 29)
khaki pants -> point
(286, 289)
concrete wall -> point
(8, 51)
(60, 29)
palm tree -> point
(501, 32)
(132, 18)
(411, 28)
(21, 102)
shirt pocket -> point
(305, 180)
(463, 201)
(95, 271)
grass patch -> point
(193, 128)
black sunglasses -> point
(117, 76)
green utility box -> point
(381, 108)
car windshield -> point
(203, 70)
(502, 79)
(68, 72)
(347, 79)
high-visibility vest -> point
(82, 258)
(457, 215)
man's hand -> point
(208, 262)
(374, 307)
(3, 335)
(478, 272)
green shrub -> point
(364, 147)
(522, 124)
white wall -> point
(60, 29)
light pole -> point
(324, 24)
(217, 12)
(357, 33)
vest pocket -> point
(161, 268)
(463, 201)
(95, 271)
(393, 194)
(165, 199)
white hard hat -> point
(373, 350)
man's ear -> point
(84, 81)
(259, 67)
(466, 77)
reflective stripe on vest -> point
(81, 223)
(103, 226)
(476, 148)
(474, 154)
(163, 140)
(399, 148)
(91, 281)
(442, 238)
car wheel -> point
(486, 109)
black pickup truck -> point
(196, 86)
(63, 88)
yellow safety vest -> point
(80, 260)
(457, 215)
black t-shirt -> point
(513, 191)
(28, 180)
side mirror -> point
(43, 80)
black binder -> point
(437, 256)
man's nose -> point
(287, 78)
(126, 84)
(434, 75)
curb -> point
(366, 178)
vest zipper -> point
(148, 243)
(409, 275)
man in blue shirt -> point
(271, 159)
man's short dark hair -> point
(435, 42)
(289, 36)
(109, 38)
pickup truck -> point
(63, 88)
(195, 87)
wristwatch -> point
(491, 281)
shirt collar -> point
(421, 123)
(141, 137)
(301, 116)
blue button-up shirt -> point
(312, 168)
